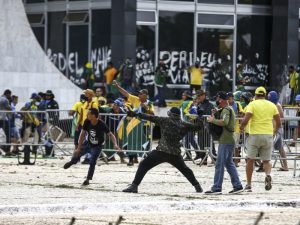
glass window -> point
(101, 52)
(57, 40)
(215, 19)
(76, 17)
(255, 2)
(39, 34)
(145, 57)
(36, 19)
(176, 46)
(214, 53)
(34, 1)
(145, 16)
(217, 1)
(253, 50)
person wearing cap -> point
(53, 107)
(110, 73)
(226, 147)
(88, 76)
(261, 130)
(278, 142)
(239, 113)
(196, 72)
(141, 104)
(173, 129)
(204, 108)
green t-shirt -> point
(227, 136)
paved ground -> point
(48, 194)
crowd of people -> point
(33, 119)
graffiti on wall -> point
(218, 70)
(75, 65)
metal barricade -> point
(22, 133)
(199, 142)
(134, 136)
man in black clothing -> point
(173, 129)
(95, 130)
(52, 106)
(204, 108)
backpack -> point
(215, 130)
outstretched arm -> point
(143, 116)
(198, 125)
(121, 90)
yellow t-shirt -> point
(110, 75)
(262, 116)
(85, 108)
(77, 109)
(135, 101)
(196, 76)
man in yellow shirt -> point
(293, 83)
(261, 131)
(140, 104)
(196, 77)
(76, 111)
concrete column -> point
(123, 30)
(284, 45)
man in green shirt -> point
(226, 147)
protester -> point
(196, 72)
(260, 141)
(14, 130)
(127, 75)
(4, 122)
(110, 73)
(99, 97)
(173, 129)
(88, 76)
(160, 77)
(226, 148)
(294, 84)
(142, 105)
(95, 130)
(278, 143)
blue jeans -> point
(224, 159)
(94, 152)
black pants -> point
(4, 124)
(155, 158)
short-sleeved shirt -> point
(85, 108)
(77, 109)
(95, 132)
(196, 76)
(110, 74)
(262, 112)
(135, 101)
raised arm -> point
(121, 90)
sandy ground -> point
(47, 194)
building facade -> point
(231, 39)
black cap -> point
(222, 95)
(174, 111)
(230, 94)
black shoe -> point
(86, 182)
(85, 161)
(236, 190)
(130, 163)
(68, 165)
(198, 188)
(132, 188)
(268, 183)
(213, 192)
